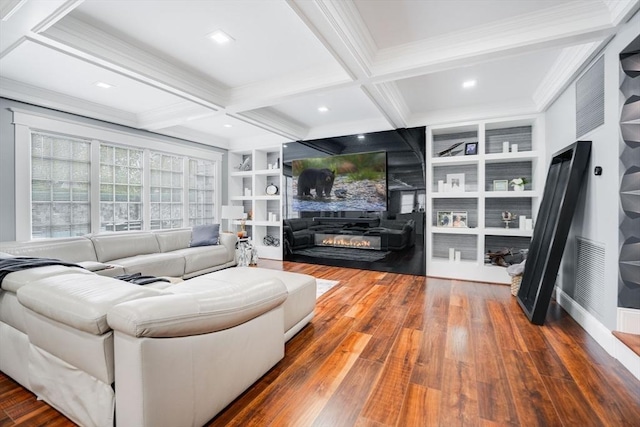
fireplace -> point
(348, 241)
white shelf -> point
(268, 172)
(259, 203)
(494, 231)
(482, 206)
(455, 195)
(499, 194)
(455, 160)
(265, 197)
(454, 230)
(510, 157)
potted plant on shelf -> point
(518, 183)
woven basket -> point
(515, 284)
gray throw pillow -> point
(205, 235)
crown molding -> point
(473, 113)
(567, 66)
(272, 121)
(89, 43)
(388, 99)
(352, 30)
(621, 10)
(173, 115)
(550, 27)
(47, 98)
(337, 27)
(9, 7)
(195, 136)
(57, 15)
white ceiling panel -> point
(48, 69)
(345, 105)
(393, 23)
(224, 126)
(512, 79)
(270, 40)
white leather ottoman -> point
(299, 307)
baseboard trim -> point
(600, 333)
(628, 320)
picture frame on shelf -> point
(444, 218)
(500, 185)
(471, 149)
(456, 182)
(459, 219)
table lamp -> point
(231, 213)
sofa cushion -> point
(80, 300)
(203, 257)
(113, 246)
(205, 235)
(14, 281)
(69, 249)
(172, 240)
(157, 264)
(198, 306)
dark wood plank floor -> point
(398, 350)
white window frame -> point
(25, 122)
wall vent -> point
(590, 275)
(590, 99)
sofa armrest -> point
(197, 308)
(229, 240)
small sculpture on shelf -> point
(518, 183)
(507, 217)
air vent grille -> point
(590, 99)
(590, 275)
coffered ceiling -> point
(374, 64)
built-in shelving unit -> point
(469, 187)
(248, 188)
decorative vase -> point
(518, 187)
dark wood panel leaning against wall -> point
(389, 349)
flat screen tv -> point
(349, 182)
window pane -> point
(126, 212)
(166, 188)
(201, 196)
(60, 175)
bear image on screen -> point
(349, 182)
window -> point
(120, 188)
(60, 186)
(201, 192)
(73, 179)
(407, 201)
(167, 187)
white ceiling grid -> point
(376, 65)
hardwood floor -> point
(397, 350)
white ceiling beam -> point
(46, 98)
(389, 100)
(89, 43)
(272, 121)
(173, 115)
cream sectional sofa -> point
(107, 352)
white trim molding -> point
(600, 333)
(628, 320)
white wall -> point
(597, 218)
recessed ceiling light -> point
(227, 125)
(360, 136)
(468, 84)
(220, 37)
(103, 85)
(323, 109)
